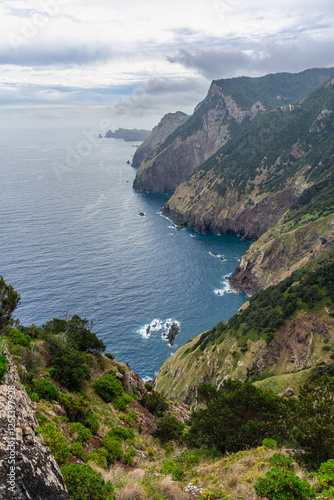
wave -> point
(217, 255)
(225, 289)
(157, 325)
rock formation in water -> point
(128, 135)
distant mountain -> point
(165, 127)
(229, 105)
(128, 135)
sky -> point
(127, 63)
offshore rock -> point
(28, 470)
(128, 135)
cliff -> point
(167, 125)
(278, 338)
(229, 104)
(28, 469)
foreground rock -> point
(28, 470)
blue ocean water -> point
(72, 241)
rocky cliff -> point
(229, 103)
(28, 469)
(192, 143)
(168, 124)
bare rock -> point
(28, 470)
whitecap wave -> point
(225, 289)
(217, 255)
(157, 325)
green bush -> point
(325, 474)
(46, 390)
(129, 456)
(91, 421)
(108, 388)
(313, 434)
(123, 434)
(70, 369)
(3, 366)
(114, 447)
(168, 428)
(281, 460)
(83, 483)
(55, 440)
(177, 471)
(9, 299)
(84, 434)
(122, 402)
(281, 484)
(188, 458)
(77, 450)
(154, 402)
(76, 408)
(269, 443)
(16, 337)
(99, 457)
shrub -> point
(3, 366)
(122, 434)
(108, 388)
(46, 390)
(177, 471)
(114, 447)
(91, 421)
(70, 369)
(148, 386)
(280, 484)
(150, 452)
(76, 408)
(83, 483)
(55, 440)
(16, 337)
(280, 460)
(168, 428)
(9, 300)
(121, 402)
(129, 456)
(188, 458)
(77, 450)
(314, 432)
(269, 443)
(325, 474)
(84, 434)
(99, 457)
(154, 402)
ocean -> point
(73, 242)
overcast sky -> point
(135, 60)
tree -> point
(236, 416)
(9, 300)
(314, 433)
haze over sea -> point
(72, 240)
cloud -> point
(271, 57)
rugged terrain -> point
(229, 104)
(159, 134)
(283, 332)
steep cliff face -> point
(28, 469)
(192, 143)
(168, 124)
(229, 103)
(274, 181)
(286, 328)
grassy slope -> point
(284, 329)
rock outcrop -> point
(128, 135)
(168, 124)
(28, 470)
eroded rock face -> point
(167, 125)
(193, 143)
(28, 470)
